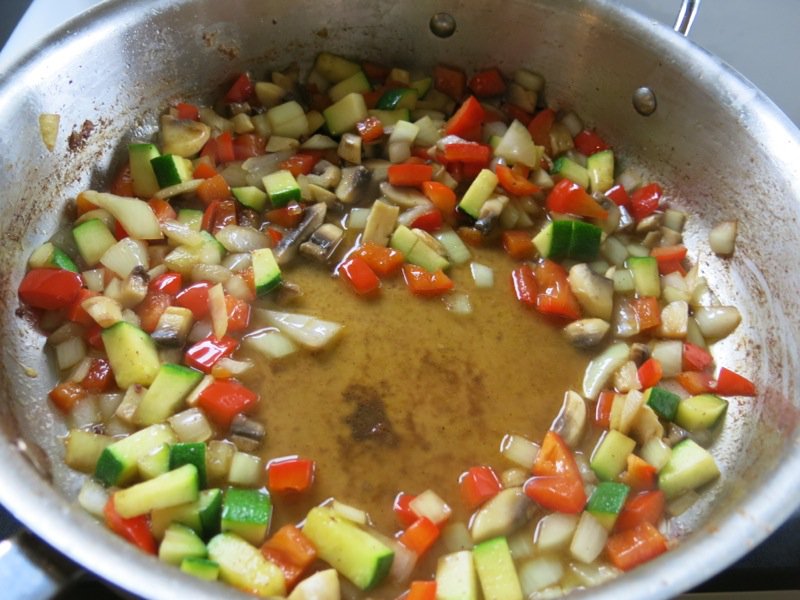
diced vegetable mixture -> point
(177, 303)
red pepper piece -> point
(50, 289)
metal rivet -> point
(443, 25)
(644, 101)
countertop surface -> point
(758, 39)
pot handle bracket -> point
(686, 15)
(30, 569)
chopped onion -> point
(104, 310)
(456, 537)
(623, 284)
(456, 250)
(241, 239)
(404, 559)
(181, 234)
(319, 142)
(514, 477)
(235, 175)
(212, 273)
(594, 574)
(306, 330)
(70, 352)
(585, 468)
(65, 332)
(722, 238)
(357, 218)
(116, 427)
(428, 504)
(237, 262)
(589, 539)
(694, 335)
(716, 322)
(670, 354)
(130, 403)
(218, 459)
(554, 531)
(626, 378)
(458, 303)
(573, 123)
(674, 320)
(94, 279)
(135, 216)
(93, 497)
(109, 403)
(258, 166)
(539, 573)
(626, 324)
(519, 450)
(228, 367)
(131, 317)
(194, 396)
(124, 256)
(272, 344)
(97, 213)
(191, 426)
(521, 544)
(656, 452)
(81, 370)
(399, 152)
(213, 120)
(238, 288)
(630, 179)
(85, 413)
(184, 187)
(351, 513)
(245, 470)
(600, 369)
(674, 219)
(482, 275)
(200, 331)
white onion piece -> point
(458, 303)
(670, 354)
(258, 166)
(238, 288)
(184, 187)
(351, 513)
(228, 367)
(540, 572)
(319, 142)
(97, 213)
(519, 450)
(306, 330)
(191, 426)
(94, 279)
(482, 275)
(583, 466)
(80, 371)
(521, 545)
(180, 234)
(656, 452)
(211, 273)
(191, 399)
(219, 311)
(457, 250)
(85, 413)
(589, 539)
(66, 331)
(131, 317)
(430, 505)
(124, 256)
(135, 216)
(716, 322)
(93, 497)
(456, 537)
(200, 331)
(108, 404)
(322, 585)
(514, 477)
(722, 238)
(271, 344)
(237, 261)
(241, 239)
(554, 531)
(593, 575)
(116, 427)
(70, 352)
(357, 219)
(235, 175)
(399, 152)
(602, 367)
(218, 458)
(246, 470)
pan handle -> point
(32, 570)
(686, 16)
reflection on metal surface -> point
(443, 25)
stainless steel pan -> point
(716, 141)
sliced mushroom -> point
(353, 181)
(646, 425)
(350, 148)
(639, 353)
(320, 194)
(626, 378)
(626, 221)
(183, 137)
(325, 175)
(380, 223)
(570, 421)
(322, 242)
(505, 513)
(104, 310)
(173, 327)
(650, 223)
(403, 197)
(287, 293)
(248, 434)
(586, 333)
(313, 218)
(594, 292)
(134, 287)
(625, 410)
(490, 214)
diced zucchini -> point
(565, 168)
(180, 543)
(132, 354)
(166, 394)
(416, 251)
(496, 570)
(173, 488)
(266, 272)
(403, 240)
(700, 412)
(47, 255)
(585, 241)
(192, 453)
(690, 466)
(145, 184)
(202, 568)
(343, 115)
(664, 402)
(247, 513)
(93, 238)
(171, 169)
(389, 118)
(192, 218)
(117, 464)
(353, 552)
(83, 449)
(281, 187)
(553, 241)
(154, 463)
(202, 515)
(243, 566)
(335, 68)
(398, 98)
(610, 456)
(600, 167)
(645, 275)
(607, 501)
(478, 192)
(421, 86)
(456, 578)
(357, 83)
(251, 197)
(288, 120)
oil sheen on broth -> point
(411, 395)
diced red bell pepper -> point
(214, 188)
(441, 196)
(100, 378)
(695, 382)
(514, 184)
(300, 164)
(450, 81)
(169, 283)
(733, 384)
(248, 145)
(224, 147)
(695, 358)
(619, 196)
(669, 258)
(206, 353)
(294, 544)
(94, 338)
(470, 236)
(428, 221)
(375, 71)
(420, 535)
(66, 395)
(162, 209)
(290, 475)
(466, 119)
(650, 373)
(644, 201)
(121, 186)
(219, 214)
(515, 112)
(424, 283)
(478, 485)
(422, 590)
(151, 308)
(639, 475)
(568, 197)
(136, 529)
(467, 152)
(238, 313)
(76, 312)
(241, 90)
(410, 174)
(275, 236)
(487, 83)
(540, 126)
(647, 506)
(292, 573)
(224, 399)
(50, 289)
(518, 244)
(587, 142)
(288, 216)
(632, 547)
(195, 298)
(119, 231)
(83, 205)
(204, 169)
(555, 295)
(647, 311)
(383, 260)
(370, 129)
(402, 509)
(602, 410)
(187, 112)
(525, 287)
(556, 483)
(357, 272)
